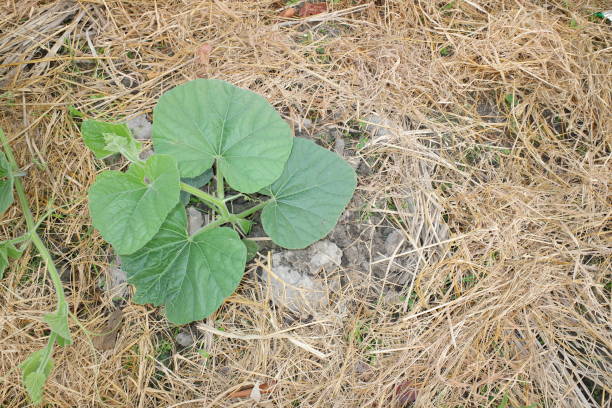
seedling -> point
(37, 367)
(300, 188)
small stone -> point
(378, 126)
(325, 254)
(394, 239)
(294, 282)
(307, 123)
(140, 127)
(129, 82)
(146, 153)
(117, 280)
(185, 339)
(361, 367)
(195, 219)
(339, 145)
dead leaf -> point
(406, 392)
(288, 13)
(250, 392)
(204, 53)
(106, 339)
(310, 9)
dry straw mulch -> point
(519, 305)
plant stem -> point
(252, 210)
(219, 221)
(220, 186)
(211, 200)
(48, 351)
(27, 214)
(231, 217)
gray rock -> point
(339, 145)
(117, 280)
(140, 127)
(378, 126)
(195, 220)
(184, 338)
(307, 123)
(324, 254)
(146, 153)
(295, 281)
(393, 241)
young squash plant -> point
(199, 126)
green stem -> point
(27, 235)
(231, 217)
(211, 200)
(218, 222)
(48, 351)
(27, 213)
(220, 186)
(252, 210)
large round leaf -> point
(309, 196)
(128, 208)
(206, 120)
(191, 276)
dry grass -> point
(518, 306)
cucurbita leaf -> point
(58, 322)
(6, 183)
(34, 373)
(191, 276)
(309, 197)
(206, 120)
(105, 139)
(128, 208)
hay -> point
(517, 304)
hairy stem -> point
(210, 200)
(252, 210)
(224, 219)
(27, 214)
(220, 186)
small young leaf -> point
(206, 120)
(58, 322)
(245, 225)
(309, 197)
(7, 251)
(251, 247)
(104, 139)
(191, 276)
(6, 183)
(34, 373)
(128, 147)
(196, 182)
(128, 208)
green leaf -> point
(74, 112)
(206, 120)
(196, 182)
(58, 322)
(251, 247)
(7, 251)
(309, 196)
(6, 183)
(244, 225)
(128, 147)
(34, 373)
(191, 276)
(128, 208)
(105, 139)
